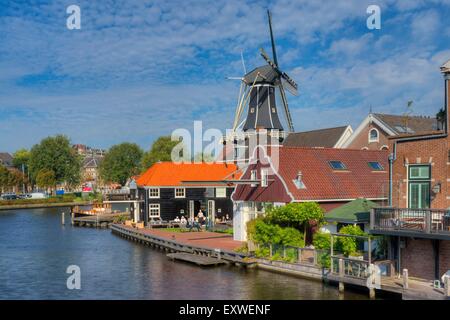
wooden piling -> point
(405, 279)
(62, 218)
(372, 293)
(447, 286)
(341, 275)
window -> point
(252, 110)
(153, 193)
(221, 192)
(374, 165)
(419, 186)
(253, 177)
(373, 135)
(384, 147)
(180, 193)
(264, 176)
(154, 210)
(337, 165)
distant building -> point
(6, 160)
(167, 190)
(324, 138)
(374, 131)
(90, 171)
(84, 150)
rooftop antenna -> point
(407, 113)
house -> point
(324, 138)
(374, 131)
(167, 190)
(417, 224)
(356, 212)
(329, 176)
(90, 171)
(6, 160)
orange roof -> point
(172, 174)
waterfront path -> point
(205, 239)
(42, 205)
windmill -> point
(257, 95)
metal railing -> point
(433, 221)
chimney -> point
(445, 69)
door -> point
(211, 210)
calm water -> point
(35, 250)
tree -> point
(4, 178)
(160, 151)
(21, 157)
(298, 215)
(121, 162)
(46, 179)
(55, 154)
(349, 245)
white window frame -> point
(378, 135)
(222, 193)
(153, 206)
(253, 176)
(178, 196)
(150, 196)
(264, 178)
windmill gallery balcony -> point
(421, 223)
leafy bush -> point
(348, 245)
(121, 218)
(262, 232)
(322, 240)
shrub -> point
(322, 240)
(348, 245)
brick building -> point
(417, 224)
(375, 130)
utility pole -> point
(23, 178)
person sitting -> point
(227, 217)
(176, 219)
(183, 220)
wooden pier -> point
(95, 221)
(173, 246)
(203, 261)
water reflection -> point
(35, 250)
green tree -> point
(4, 178)
(349, 245)
(21, 157)
(55, 154)
(121, 162)
(298, 215)
(46, 178)
(160, 151)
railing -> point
(291, 254)
(347, 267)
(430, 221)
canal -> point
(35, 251)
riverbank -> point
(220, 246)
(43, 205)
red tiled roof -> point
(322, 182)
(359, 180)
(172, 174)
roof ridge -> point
(323, 129)
(329, 148)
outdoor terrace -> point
(424, 223)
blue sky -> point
(140, 69)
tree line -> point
(53, 162)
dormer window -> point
(373, 135)
(337, 165)
(298, 181)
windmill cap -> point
(445, 68)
